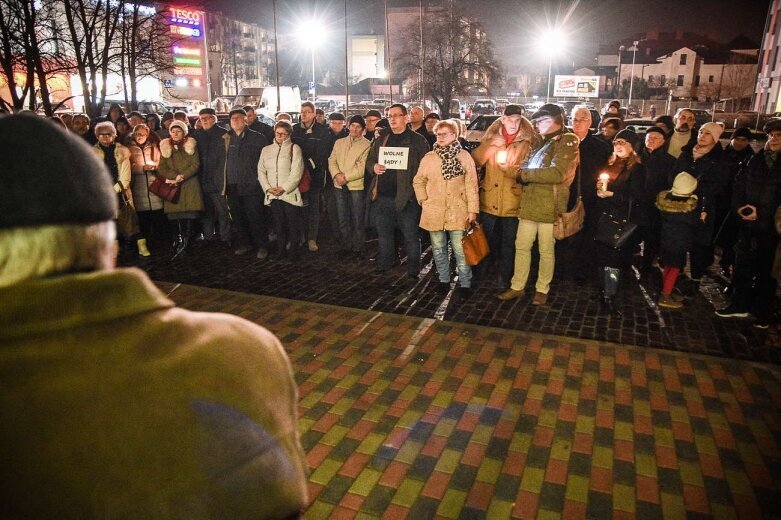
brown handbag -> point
(127, 219)
(475, 244)
(569, 222)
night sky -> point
(512, 25)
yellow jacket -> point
(349, 157)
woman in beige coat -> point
(446, 188)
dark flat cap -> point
(547, 110)
(238, 111)
(336, 116)
(207, 111)
(513, 110)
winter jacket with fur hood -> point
(182, 161)
(122, 156)
(500, 193)
(679, 218)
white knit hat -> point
(684, 185)
(715, 129)
(181, 125)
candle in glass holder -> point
(603, 178)
(501, 156)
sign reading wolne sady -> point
(576, 86)
(394, 157)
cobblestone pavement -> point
(573, 309)
(415, 417)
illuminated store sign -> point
(186, 51)
(188, 54)
(185, 31)
(195, 62)
(185, 16)
(188, 71)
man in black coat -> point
(211, 151)
(245, 196)
(658, 170)
(257, 125)
(756, 197)
(312, 137)
(577, 250)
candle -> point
(603, 178)
(501, 156)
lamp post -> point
(618, 78)
(310, 34)
(633, 48)
(551, 42)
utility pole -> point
(276, 56)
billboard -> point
(576, 86)
(188, 37)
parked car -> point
(476, 129)
(457, 109)
(639, 126)
(483, 107)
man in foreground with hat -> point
(116, 403)
(755, 200)
(346, 165)
(546, 177)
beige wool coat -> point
(446, 203)
(500, 193)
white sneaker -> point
(312, 246)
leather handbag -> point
(614, 232)
(475, 244)
(569, 222)
(306, 178)
(164, 190)
(127, 219)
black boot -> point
(180, 242)
(611, 278)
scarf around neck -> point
(451, 166)
(110, 161)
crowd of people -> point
(677, 195)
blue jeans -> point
(442, 261)
(387, 218)
(350, 209)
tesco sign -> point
(185, 16)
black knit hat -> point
(336, 116)
(656, 129)
(742, 132)
(513, 110)
(166, 116)
(628, 136)
(373, 113)
(61, 182)
(357, 118)
(548, 110)
(615, 103)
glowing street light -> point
(551, 42)
(310, 34)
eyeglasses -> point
(620, 142)
(105, 135)
(444, 134)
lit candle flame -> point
(501, 156)
(603, 179)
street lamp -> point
(310, 34)
(551, 42)
(633, 48)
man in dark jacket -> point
(658, 171)
(211, 151)
(395, 204)
(245, 196)
(312, 137)
(736, 156)
(257, 125)
(756, 197)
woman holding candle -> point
(446, 188)
(145, 155)
(620, 189)
(502, 150)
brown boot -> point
(540, 298)
(668, 302)
(510, 294)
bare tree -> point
(738, 78)
(457, 56)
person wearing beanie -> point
(678, 214)
(658, 172)
(613, 109)
(545, 178)
(736, 155)
(179, 164)
(153, 122)
(372, 117)
(620, 194)
(703, 158)
(116, 157)
(503, 149)
(165, 122)
(92, 352)
(431, 119)
(346, 166)
(755, 199)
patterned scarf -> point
(451, 166)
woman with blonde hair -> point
(446, 188)
(116, 157)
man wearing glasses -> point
(393, 199)
(552, 164)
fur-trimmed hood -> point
(525, 131)
(669, 203)
(166, 149)
(121, 152)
